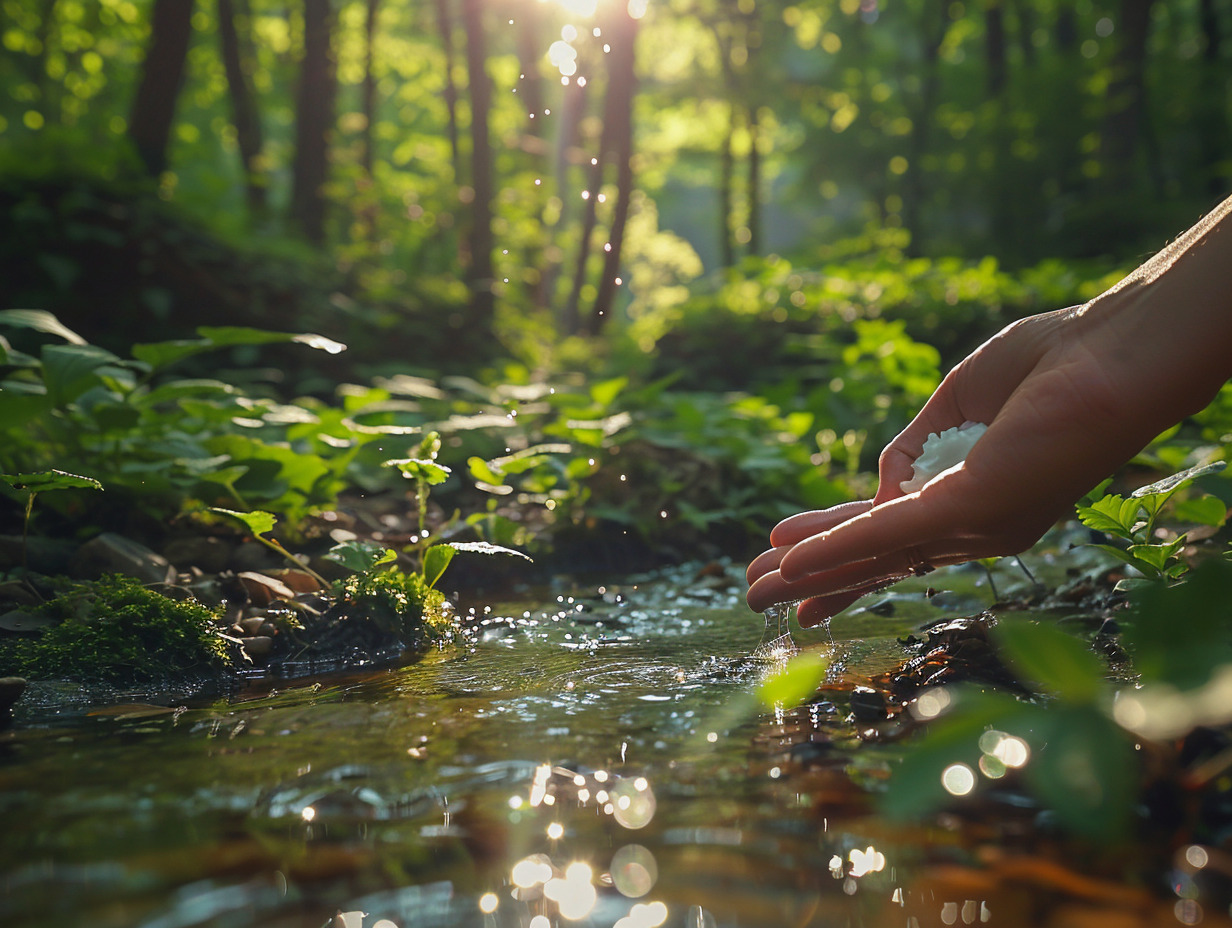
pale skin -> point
(1068, 396)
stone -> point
(113, 553)
(257, 646)
(252, 555)
(298, 580)
(264, 589)
(11, 689)
(204, 551)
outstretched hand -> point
(1065, 402)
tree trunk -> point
(367, 91)
(530, 51)
(572, 110)
(619, 113)
(1126, 93)
(48, 98)
(444, 26)
(162, 76)
(727, 172)
(994, 47)
(754, 194)
(243, 108)
(314, 120)
(1066, 28)
(1025, 31)
(1212, 124)
(933, 34)
(479, 271)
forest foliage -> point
(782, 221)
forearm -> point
(1166, 329)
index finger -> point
(898, 524)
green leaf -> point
(797, 681)
(915, 787)
(1110, 515)
(228, 336)
(1176, 481)
(1157, 556)
(483, 547)
(484, 472)
(435, 560)
(70, 370)
(41, 321)
(606, 391)
(1179, 634)
(161, 354)
(46, 480)
(361, 556)
(1056, 660)
(420, 469)
(18, 408)
(258, 522)
(1085, 767)
(1202, 510)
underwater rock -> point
(11, 689)
(112, 553)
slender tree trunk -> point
(1212, 125)
(570, 318)
(754, 194)
(994, 47)
(367, 91)
(444, 26)
(619, 112)
(48, 98)
(1065, 28)
(727, 172)
(314, 120)
(479, 272)
(572, 109)
(1126, 93)
(913, 183)
(243, 108)
(162, 76)
(530, 51)
(1024, 32)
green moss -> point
(117, 631)
(401, 603)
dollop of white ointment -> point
(942, 450)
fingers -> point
(822, 608)
(764, 563)
(773, 588)
(889, 529)
(806, 524)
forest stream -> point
(596, 759)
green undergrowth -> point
(401, 604)
(116, 631)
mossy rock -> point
(117, 631)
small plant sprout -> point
(260, 523)
(1133, 521)
(942, 450)
(424, 470)
(41, 482)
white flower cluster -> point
(941, 452)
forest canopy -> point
(582, 161)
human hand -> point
(1066, 403)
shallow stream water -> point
(597, 759)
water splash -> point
(776, 641)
